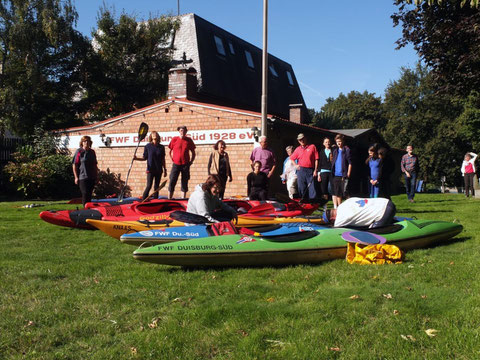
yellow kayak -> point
(117, 228)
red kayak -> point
(160, 209)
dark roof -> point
(227, 78)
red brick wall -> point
(118, 159)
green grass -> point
(77, 294)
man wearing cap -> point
(180, 149)
(265, 155)
(307, 156)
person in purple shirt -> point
(265, 155)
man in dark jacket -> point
(341, 170)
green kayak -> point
(302, 248)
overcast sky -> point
(333, 46)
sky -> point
(333, 46)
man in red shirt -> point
(307, 166)
(180, 149)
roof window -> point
(289, 76)
(230, 46)
(272, 70)
(219, 44)
(249, 58)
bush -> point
(44, 177)
(109, 185)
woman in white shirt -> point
(468, 172)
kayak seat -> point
(292, 237)
(159, 207)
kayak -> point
(326, 244)
(117, 228)
(170, 234)
(159, 209)
(153, 210)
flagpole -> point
(264, 68)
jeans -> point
(410, 185)
(305, 183)
(151, 179)
(468, 178)
(176, 171)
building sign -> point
(200, 137)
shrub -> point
(109, 185)
(44, 177)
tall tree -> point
(447, 38)
(40, 64)
(418, 116)
(354, 110)
(129, 63)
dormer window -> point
(272, 70)
(249, 58)
(230, 46)
(290, 78)
(219, 44)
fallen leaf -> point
(388, 296)
(95, 280)
(214, 277)
(410, 266)
(375, 277)
(273, 281)
(451, 263)
(422, 264)
(177, 300)
(431, 332)
(30, 323)
(242, 332)
(154, 323)
(354, 297)
(408, 288)
(336, 348)
(133, 350)
(408, 337)
(316, 291)
(270, 299)
(396, 312)
(424, 296)
(307, 277)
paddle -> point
(142, 132)
(190, 218)
(160, 187)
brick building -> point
(215, 90)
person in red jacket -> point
(180, 149)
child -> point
(375, 165)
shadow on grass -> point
(411, 211)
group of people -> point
(305, 172)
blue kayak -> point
(170, 234)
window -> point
(249, 58)
(230, 46)
(272, 70)
(290, 79)
(219, 44)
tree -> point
(355, 110)
(128, 67)
(40, 64)
(447, 39)
(418, 116)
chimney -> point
(296, 113)
(182, 83)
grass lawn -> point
(78, 294)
